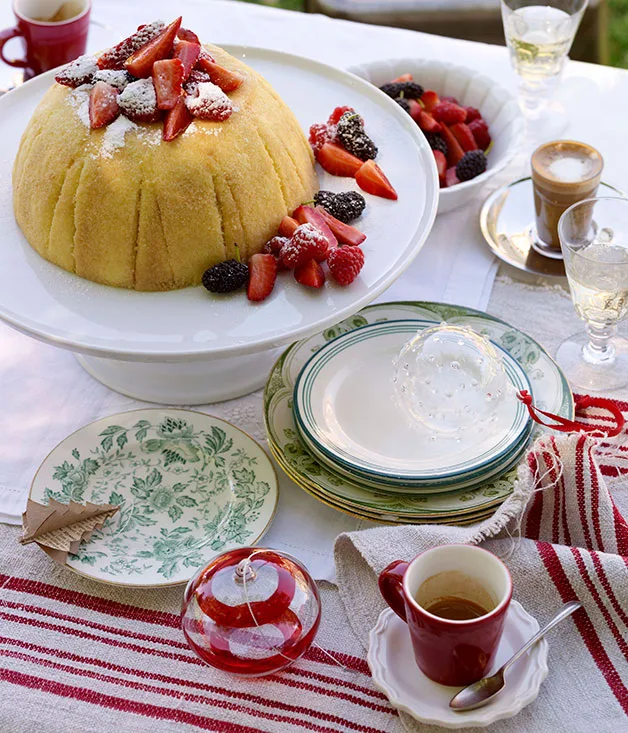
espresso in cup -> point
(66, 11)
(563, 173)
(455, 596)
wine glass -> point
(539, 34)
(594, 239)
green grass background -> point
(617, 26)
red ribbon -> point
(564, 425)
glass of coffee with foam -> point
(563, 173)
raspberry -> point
(471, 165)
(195, 78)
(335, 116)
(118, 78)
(80, 71)
(225, 277)
(114, 58)
(275, 245)
(321, 133)
(307, 243)
(449, 113)
(345, 264)
(479, 130)
(211, 103)
(473, 114)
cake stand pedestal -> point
(189, 383)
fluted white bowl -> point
(497, 105)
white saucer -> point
(394, 671)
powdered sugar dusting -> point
(114, 136)
(139, 99)
(78, 99)
(210, 103)
(117, 78)
(80, 71)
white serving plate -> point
(391, 660)
(345, 408)
(498, 106)
(104, 323)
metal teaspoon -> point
(484, 690)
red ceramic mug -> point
(47, 44)
(449, 651)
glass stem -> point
(599, 350)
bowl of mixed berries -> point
(473, 125)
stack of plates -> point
(334, 429)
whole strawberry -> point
(345, 264)
(306, 243)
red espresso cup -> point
(47, 43)
(456, 580)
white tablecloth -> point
(44, 394)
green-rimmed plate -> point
(189, 486)
(345, 411)
(550, 388)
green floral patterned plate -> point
(548, 383)
(189, 486)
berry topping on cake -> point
(262, 276)
(471, 165)
(306, 243)
(185, 34)
(188, 53)
(310, 274)
(80, 71)
(210, 103)
(353, 138)
(345, 206)
(103, 105)
(336, 160)
(227, 80)
(225, 277)
(177, 120)
(195, 78)
(436, 142)
(138, 101)
(168, 77)
(118, 78)
(345, 264)
(115, 57)
(406, 89)
(371, 178)
(140, 64)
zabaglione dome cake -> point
(141, 168)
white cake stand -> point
(186, 346)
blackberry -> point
(471, 165)
(350, 131)
(437, 142)
(407, 89)
(404, 104)
(345, 206)
(225, 276)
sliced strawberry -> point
(479, 130)
(103, 105)
(427, 123)
(464, 136)
(187, 35)
(335, 116)
(403, 77)
(337, 161)
(140, 64)
(307, 243)
(430, 100)
(308, 215)
(344, 233)
(415, 109)
(451, 179)
(227, 80)
(473, 114)
(310, 274)
(371, 178)
(114, 58)
(177, 120)
(188, 53)
(262, 276)
(168, 82)
(441, 165)
(288, 226)
(449, 113)
(204, 55)
(454, 150)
